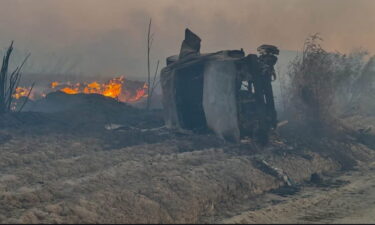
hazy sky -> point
(109, 36)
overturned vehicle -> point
(225, 92)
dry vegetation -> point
(9, 83)
(327, 87)
(66, 167)
(312, 83)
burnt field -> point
(169, 112)
(100, 160)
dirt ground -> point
(348, 198)
(66, 167)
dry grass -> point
(56, 178)
(57, 168)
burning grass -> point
(114, 88)
(118, 88)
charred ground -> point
(71, 166)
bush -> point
(312, 83)
(325, 85)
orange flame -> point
(70, 91)
(140, 93)
(54, 84)
(21, 92)
(113, 88)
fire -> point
(118, 88)
(70, 91)
(21, 92)
(140, 93)
(54, 84)
(114, 88)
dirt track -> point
(353, 201)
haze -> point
(101, 37)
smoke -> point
(99, 37)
